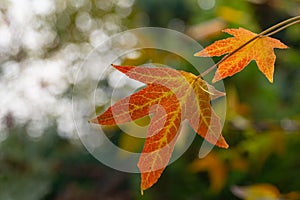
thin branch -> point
(282, 28)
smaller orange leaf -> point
(261, 50)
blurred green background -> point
(44, 42)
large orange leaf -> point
(261, 50)
(171, 96)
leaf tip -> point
(123, 69)
(115, 66)
(270, 79)
(202, 53)
(223, 144)
(216, 79)
(93, 121)
(196, 54)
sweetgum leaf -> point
(261, 50)
(171, 96)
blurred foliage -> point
(262, 125)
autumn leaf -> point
(171, 96)
(260, 49)
(215, 167)
(262, 191)
(256, 192)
